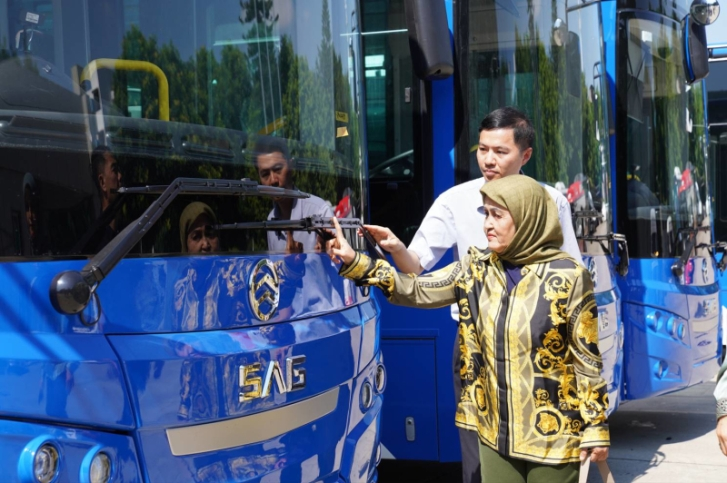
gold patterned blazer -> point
(531, 379)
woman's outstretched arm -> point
(436, 289)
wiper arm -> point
(316, 223)
(71, 291)
(677, 267)
(622, 268)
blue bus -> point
(615, 93)
(149, 330)
(717, 117)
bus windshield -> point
(547, 61)
(99, 96)
(664, 143)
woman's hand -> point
(385, 238)
(722, 434)
(338, 248)
(599, 453)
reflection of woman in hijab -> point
(197, 230)
(528, 332)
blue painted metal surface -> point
(671, 327)
(21, 438)
(165, 354)
(610, 324)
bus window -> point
(100, 96)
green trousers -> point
(497, 468)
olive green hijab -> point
(190, 214)
(538, 235)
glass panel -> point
(391, 90)
(717, 113)
(548, 63)
(665, 142)
(388, 71)
(97, 95)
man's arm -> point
(570, 242)
(405, 260)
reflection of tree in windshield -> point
(260, 87)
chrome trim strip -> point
(251, 429)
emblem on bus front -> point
(254, 385)
(264, 290)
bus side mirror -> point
(696, 54)
(429, 40)
(704, 12)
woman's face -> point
(499, 226)
(202, 237)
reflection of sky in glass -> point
(300, 20)
(585, 23)
(717, 32)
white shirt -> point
(302, 208)
(456, 220)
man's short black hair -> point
(269, 145)
(511, 118)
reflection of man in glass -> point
(107, 176)
(197, 229)
(276, 168)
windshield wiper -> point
(71, 291)
(315, 223)
(589, 214)
(690, 244)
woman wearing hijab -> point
(197, 229)
(528, 333)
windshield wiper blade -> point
(316, 223)
(587, 214)
(71, 291)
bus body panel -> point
(610, 324)
(77, 446)
(671, 330)
(318, 450)
(418, 416)
(177, 378)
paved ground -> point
(668, 439)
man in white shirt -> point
(275, 167)
(456, 220)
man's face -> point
(109, 179)
(498, 155)
(274, 170)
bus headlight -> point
(100, 471)
(380, 379)
(45, 463)
(367, 396)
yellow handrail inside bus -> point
(136, 65)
